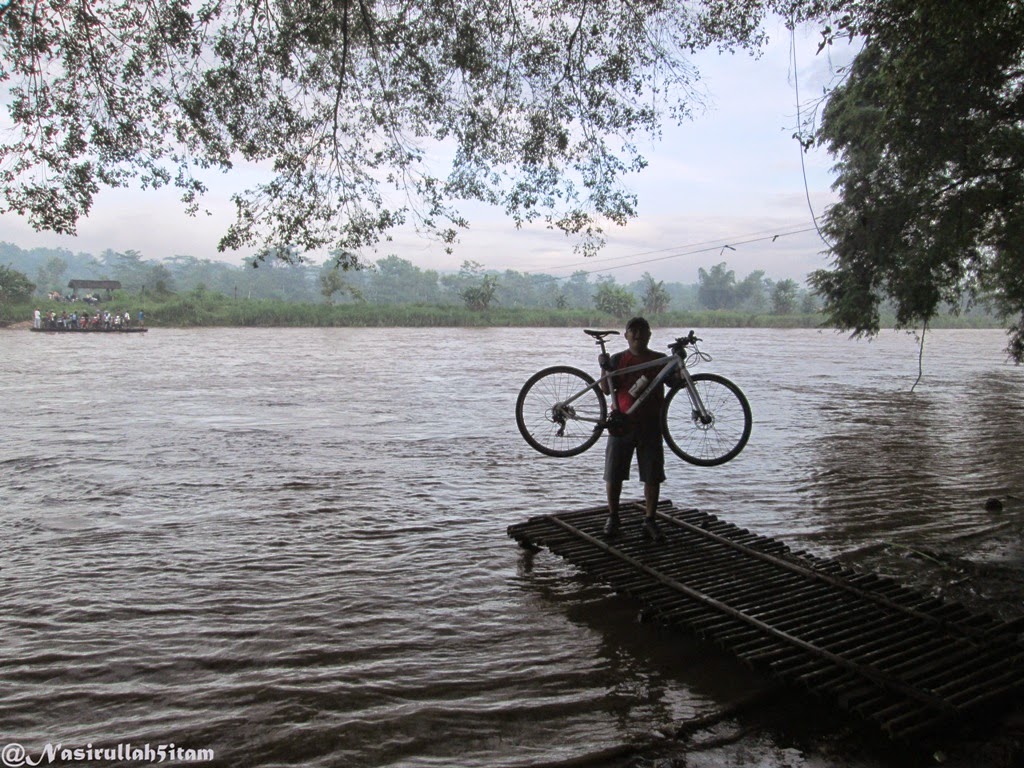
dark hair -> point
(639, 322)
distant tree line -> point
(394, 280)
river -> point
(288, 545)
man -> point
(639, 432)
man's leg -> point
(614, 494)
(652, 492)
(617, 457)
(612, 524)
(651, 456)
(651, 529)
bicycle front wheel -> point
(716, 441)
(554, 426)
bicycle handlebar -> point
(684, 341)
(676, 347)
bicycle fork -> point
(699, 412)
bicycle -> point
(562, 411)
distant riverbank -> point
(213, 310)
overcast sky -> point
(730, 176)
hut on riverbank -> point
(94, 285)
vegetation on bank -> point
(394, 280)
(187, 292)
(207, 309)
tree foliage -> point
(331, 282)
(929, 131)
(479, 297)
(717, 287)
(537, 103)
(50, 276)
(654, 298)
(14, 285)
(750, 291)
(401, 281)
(784, 297)
(614, 300)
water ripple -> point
(263, 543)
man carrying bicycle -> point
(640, 432)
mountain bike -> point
(706, 420)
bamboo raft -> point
(894, 657)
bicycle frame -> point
(668, 364)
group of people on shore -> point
(83, 321)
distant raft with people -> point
(81, 322)
(60, 329)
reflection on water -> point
(289, 546)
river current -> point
(288, 545)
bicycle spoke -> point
(552, 426)
(718, 440)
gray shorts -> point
(650, 457)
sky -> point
(717, 188)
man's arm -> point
(607, 367)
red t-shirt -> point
(650, 411)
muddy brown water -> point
(288, 546)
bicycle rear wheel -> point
(715, 442)
(549, 424)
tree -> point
(784, 297)
(330, 283)
(479, 297)
(468, 276)
(717, 288)
(188, 272)
(127, 268)
(655, 298)
(613, 299)
(750, 292)
(578, 291)
(14, 285)
(808, 303)
(520, 289)
(158, 279)
(50, 276)
(929, 131)
(399, 281)
(538, 104)
(281, 278)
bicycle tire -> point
(707, 445)
(541, 426)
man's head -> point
(638, 334)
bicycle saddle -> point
(599, 334)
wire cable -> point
(800, 132)
(715, 241)
(718, 246)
